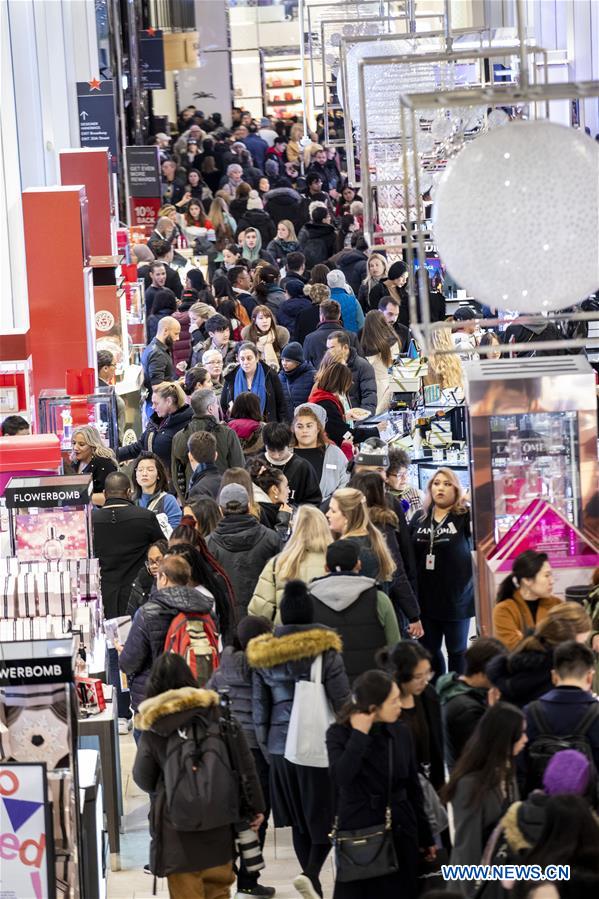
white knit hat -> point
(254, 201)
(336, 278)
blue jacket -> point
(297, 385)
(564, 708)
(288, 313)
(257, 147)
(351, 311)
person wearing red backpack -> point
(152, 623)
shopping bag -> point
(311, 716)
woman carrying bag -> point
(379, 802)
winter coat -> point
(512, 619)
(359, 768)
(280, 660)
(435, 756)
(153, 322)
(290, 310)
(370, 298)
(157, 363)
(249, 433)
(521, 676)
(122, 533)
(175, 851)
(286, 203)
(279, 250)
(149, 628)
(334, 470)
(297, 385)
(268, 593)
(158, 436)
(274, 409)
(317, 242)
(204, 482)
(233, 674)
(315, 344)
(399, 588)
(262, 222)
(143, 585)
(242, 546)
(362, 616)
(274, 299)
(228, 449)
(363, 393)
(353, 265)
(257, 147)
(385, 385)
(564, 708)
(182, 347)
(462, 708)
(307, 322)
(351, 311)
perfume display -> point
(534, 456)
(100, 410)
(51, 534)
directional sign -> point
(151, 57)
(97, 117)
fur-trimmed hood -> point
(286, 645)
(523, 822)
(166, 712)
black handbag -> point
(369, 852)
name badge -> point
(328, 465)
(430, 562)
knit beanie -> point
(293, 351)
(296, 605)
(342, 555)
(373, 451)
(252, 626)
(336, 278)
(398, 269)
(318, 293)
(254, 201)
(568, 771)
(318, 411)
(294, 288)
(271, 168)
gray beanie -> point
(318, 411)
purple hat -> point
(568, 771)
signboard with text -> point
(143, 171)
(144, 211)
(151, 56)
(97, 116)
(26, 864)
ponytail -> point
(507, 588)
(526, 565)
(370, 689)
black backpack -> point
(547, 743)
(202, 787)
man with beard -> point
(157, 358)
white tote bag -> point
(311, 716)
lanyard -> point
(433, 528)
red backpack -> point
(193, 636)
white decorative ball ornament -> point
(516, 217)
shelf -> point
(279, 87)
(284, 103)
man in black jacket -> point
(206, 478)
(156, 359)
(464, 697)
(317, 237)
(122, 534)
(241, 282)
(156, 279)
(363, 390)
(315, 344)
(303, 483)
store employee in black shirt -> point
(442, 545)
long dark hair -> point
(246, 405)
(527, 564)
(265, 276)
(488, 754)
(170, 671)
(369, 689)
(372, 486)
(164, 299)
(401, 661)
(570, 835)
(161, 480)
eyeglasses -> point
(152, 565)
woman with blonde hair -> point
(349, 519)
(442, 547)
(444, 369)
(303, 558)
(371, 289)
(91, 456)
(224, 228)
(284, 243)
(171, 414)
(380, 346)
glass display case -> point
(56, 416)
(534, 456)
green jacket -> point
(228, 449)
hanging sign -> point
(151, 55)
(26, 865)
(143, 171)
(97, 116)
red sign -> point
(144, 211)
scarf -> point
(287, 246)
(258, 385)
(316, 395)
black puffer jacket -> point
(243, 546)
(148, 631)
(261, 221)
(522, 676)
(158, 436)
(140, 591)
(317, 242)
(282, 659)
(275, 408)
(233, 674)
(175, 851)
(285, 203)
(353, 265)
(463, 706)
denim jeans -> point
(456, 642)
(122, 697)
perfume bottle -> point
(67, 429)
(52, 547)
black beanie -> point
(296, 605)
(252, 626)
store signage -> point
(23, 672)
(151, 55)
(144, 211)
(143, 171)
(97, 116)
(48, 493)
(26, 866)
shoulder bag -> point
(369, 852)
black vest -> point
(359, 628)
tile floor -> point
(132, 883)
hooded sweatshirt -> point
(362, 615)
(462, 708)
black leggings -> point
(311, 856)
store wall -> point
(46, 47)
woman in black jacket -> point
(171, 414)
(91, 456)
(300, 795)
(254, 375)
(359, 746)
(194, 863)
(146, 577)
